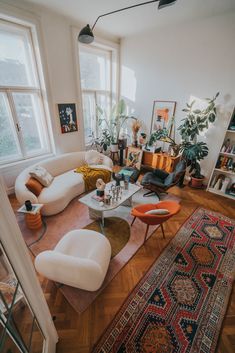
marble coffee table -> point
(96, 210)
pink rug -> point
(76, 216)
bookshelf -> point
(222, 179)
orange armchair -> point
(155, 219)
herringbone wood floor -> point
(78, 334)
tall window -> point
(23, 132)
(98, 76)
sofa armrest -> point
(107, 161)
(23, 193)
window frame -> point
(39, 89)
(113, 49)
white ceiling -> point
(136, 20)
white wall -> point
(192, 59)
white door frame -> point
(17, 252)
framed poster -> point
(163, 111)
(134, 157)
(68, 117)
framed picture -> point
(68, 117)
(163, 111)
(134, 157)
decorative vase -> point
(135, 139)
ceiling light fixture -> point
(86, 34)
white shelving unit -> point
(229, 134)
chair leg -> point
(133, 221)
(146, 233)
(151, 193)
(162, 231)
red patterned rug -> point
(179, 305)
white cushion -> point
(80, 259)
(42, 175)
(93, 157)
(159, 211)
(61, 191)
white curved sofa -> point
(66, 183)
(80, 259)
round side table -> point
(33, 221)
(33, 218)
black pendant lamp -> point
(86, 35)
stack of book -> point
(225, 163)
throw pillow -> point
(158, 211)
(92, 157)
(42, 175)
(34, 186)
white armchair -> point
(80, 259)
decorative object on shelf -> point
(100, 186)
(68, 118)
(224, 167)
(196, 121)
(110, 125)
(225, 184)
(231, 190)
(136, 125)
(86, 35)
(232, 122)
(134, 157)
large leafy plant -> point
(110, 125)
(196, 122)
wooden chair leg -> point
(162, 231)
(133, 221)
(146, 233)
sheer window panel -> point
(17, 64)
(95, 69)
(9, 145)
(29, 111)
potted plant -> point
(196, 122)
(163, 135)
(111, 124)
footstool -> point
(80, 259)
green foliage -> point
(196, 122)
(157, 135)
(110, 125)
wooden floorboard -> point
(78, 333)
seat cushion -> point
(61, 191)
(150, 178)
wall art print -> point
(163, 111)
(68, 117)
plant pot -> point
(197, 183)
(114, 147)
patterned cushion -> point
(42, 175)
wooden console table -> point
(160, 161)
(151, 160)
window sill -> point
(27, 160)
